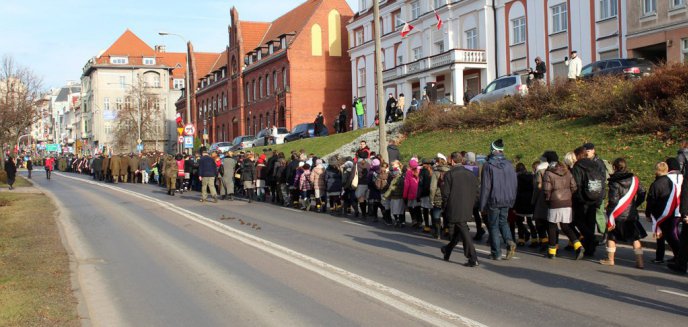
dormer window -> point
(260, 54)
(283, 42)
(119, 60)
(224, 71)
(271, 48)
(250, 58)
(149, 61)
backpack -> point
(593, 185)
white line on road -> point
(673, 293)
(392, 297)
(353, 223)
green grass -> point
(35, 288)
(18, 182)
(319, 146)
(526, 141)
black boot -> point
(387, 217)
(372, 210)
(364, 209)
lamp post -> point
(187, 91)
(138, 111)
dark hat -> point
(589, 146)
(551, 156)
(673, 164)
(427, 161)
(497, 145)
(203, 149)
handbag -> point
(354, 181)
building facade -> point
(658, 30)
(454, 57)
(108, 81)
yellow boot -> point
(552, 252)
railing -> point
(436, 61)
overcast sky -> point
(55, 38)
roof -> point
(176, 60)
(204, 63)
(252, 33)
(127, 44)
(64, 93)
(293, 21)
(220, 62)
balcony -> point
(454, 56)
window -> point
(358, 36)
(440, 3)
(178, 83)
(118, 103)
(678, 3)
(607, 9)
(122, 82)
(283, 42)
(149, 61)
(260, 86)
(649, 7)
(361, 81)
(248, 92)
(519, 27)
(255, 96)
(271, 48)
(472, 39)
(284, 78)
(559, 18)
(224, 101)
(396, 17)
(362, 5)
(267, 84)
(108, 128)
(684, 50)
(106, 103)
(417, 53)
(439, 46)
(274, 80)
(119, 60)
(415, 9)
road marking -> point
(399, 300)
(353, 223)
(673, 293)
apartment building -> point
(658, 30)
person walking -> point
(410, 194)
(261, 177)
(680, 265)
(625, 196)
(393, 151)
(395, 194)
(248, 176)
(144, 168)
(575, 66)
(333, 184)
(540, 71)
(497, 195)
(459, 191)
(559, 187)
(115, 167)
(134, 172)
(391, 108)
(436, 182)
(590, 178)
(342, 120)
(523, 208)
(399, 111)
(29, 166)
(317, 179)
(11, 171)
(170, 171)
(663, 206)
(124, 168)
(305, 188)
(469, 162)
(49, 166)
(423, 196)
(207, 170)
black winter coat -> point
(290, 171)
(659, 194)
(424, 178)
(333, 179)
(524, 194)
(393, 153)
(459, 194)
(248, 171)
(619, 185)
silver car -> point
(503, 87)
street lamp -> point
(138, 110)
(187, 79)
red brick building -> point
(276, 73)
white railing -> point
(443, 59)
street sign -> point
(180, 139)
(189, 130)
(51, 147)
(180, 130)
(139, 147)
(188, 142)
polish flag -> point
(439, 20)
(406, 29)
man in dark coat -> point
(681, 264)
(393, 152)
(97, 167)
(319, 124)
(459, 194)
(391, 108)
(271, 178)
(11, 170)
(342, 120)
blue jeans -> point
(497, 224)
(360, 121)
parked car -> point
(503, 87)
(279, 139)
(242, 142)
(301, 131)
(221, 146)
(629, 68)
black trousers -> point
(584, 217)
(682, 260)
(668, 228)
(552, 230)
(461, 231)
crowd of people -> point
(579, 197)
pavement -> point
(146, 258)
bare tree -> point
(20, 91)
(141, 103)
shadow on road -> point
(399, 247)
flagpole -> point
(378, 81)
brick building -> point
(275, 73)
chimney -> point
(160, 48)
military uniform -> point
(170, 171)
(124, 168)
(115, 168)
(133, 167)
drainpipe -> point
(496, 56)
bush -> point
(657, 103)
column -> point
(457, 84)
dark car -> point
(301, 131)
(629, 68)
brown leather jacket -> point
(559, 187)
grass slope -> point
(526, 141)
(319, 146)
(35, 288)
(19, 181)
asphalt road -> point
(148, 259)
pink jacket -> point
(410, 185)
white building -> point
(64, 105)
(455, 57)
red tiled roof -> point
(291, 22)
(204, 62)
(252, 33)
(220, 62)
(174, 60)
(128, 44)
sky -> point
(55, 38)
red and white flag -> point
(439, 20)
(406, 29)
(625, 202)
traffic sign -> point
(180, 139)
(139, 147)
(180, 130)
(188, 142)
(189, 130)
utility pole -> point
(378, 81)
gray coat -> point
(228, 165)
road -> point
(147, 259)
